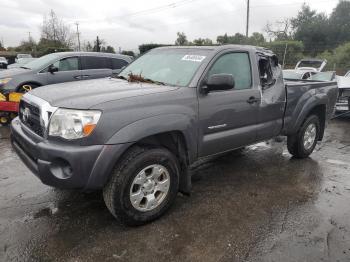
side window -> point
(265, 71)
(93, 62)
(118, 63)
(67, 64)
(236, 64)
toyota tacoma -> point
(136, 135)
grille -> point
(30, 116)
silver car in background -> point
(62, 67)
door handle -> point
(85, 76)
(252, 100)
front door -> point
(228, 118)
(68, 70)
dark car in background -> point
(62, 67)
(21, 62)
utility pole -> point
(247, 29)
(78, 35)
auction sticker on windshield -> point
(193, 58)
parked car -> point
(343, 103)
(21, 62)
(324, 76)
(297, 74)
(311, 64)
(3, 62)
(20, 56)
(135, 136)
(61, 67)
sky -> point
(127, 24)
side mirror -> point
(219, 82)
(52, 69)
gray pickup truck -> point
(136, 135)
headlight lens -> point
(4, 81)
(73, 124)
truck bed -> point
(301, 95)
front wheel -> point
(303, 143)
(143, 185)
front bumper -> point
(62, 165)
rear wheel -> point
(143, 185)
(303, 143)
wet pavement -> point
(256, 205)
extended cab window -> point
(236, 64)
(67, 64)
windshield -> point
(170, 66)
(41, 62)
(306, 63)
(291, 75)
(323, 76)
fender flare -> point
(314, 101)
(158, 124)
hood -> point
(88, 93)
(13, 72)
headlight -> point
(73, 124)
(4, 81)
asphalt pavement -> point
(258, 204)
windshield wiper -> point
(24, 67)
(119, 77)
(154, 82)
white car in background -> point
(343, 103)
(311, 64)
(3, 63)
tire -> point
(121, 187)
(296, 144)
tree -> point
(98, 43)
(280, 30)
(202, 41)
(222, 39)
(181, 39)
(293, 51)
(87, 46)
(312, 29)
(146, 47)
(338, 59)
(108, 49)
(1, 47)
(238, 38)
(339, 24)
(129, 53)
(256, 39)
(55, 32)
